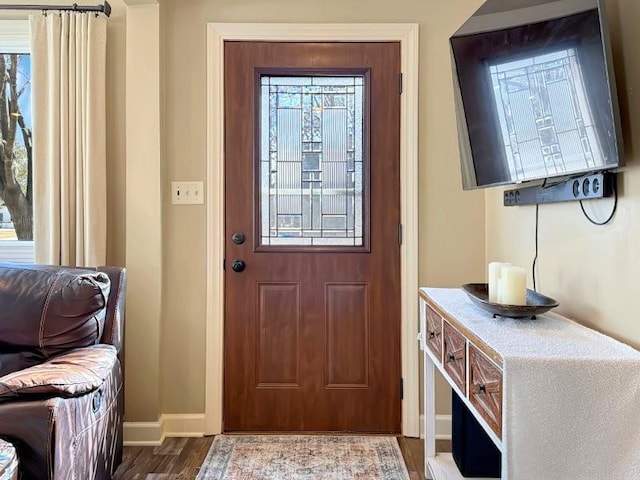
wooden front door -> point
(312, 254)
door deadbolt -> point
(238, 238)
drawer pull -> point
(432, 334)
(489, 387)
(455, 355)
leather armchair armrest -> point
(73, 373)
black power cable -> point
(613, 212)
(535, 258)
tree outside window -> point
(16, 156)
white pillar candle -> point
(513, 286)
(495, 269)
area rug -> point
(303, 457)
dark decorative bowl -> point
(536, 302)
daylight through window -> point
(16, 155)
(312, 160)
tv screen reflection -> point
(544, 115)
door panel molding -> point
(407, 36)
(279, 305)
(347, 326)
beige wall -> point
(592, 271)
(116, 160)
(451, 233)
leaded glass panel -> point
(312, 160)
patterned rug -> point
(303, 457)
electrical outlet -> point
(187, 193)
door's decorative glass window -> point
(312, 160)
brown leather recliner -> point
(61, 385)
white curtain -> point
(68, 54)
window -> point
(312, 160)
(16, 198)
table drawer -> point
(433, 332)
(455, 356)
(485, 388)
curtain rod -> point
(105, 8)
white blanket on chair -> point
(571, 396)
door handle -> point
(238, 266)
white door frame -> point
(407, 36)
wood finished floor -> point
(180, 459)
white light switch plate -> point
(187, 193)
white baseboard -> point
(183, 425)
(192, 425)
(169, 425)
(443, 427)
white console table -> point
(560, 401)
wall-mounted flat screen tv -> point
(535, 92)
